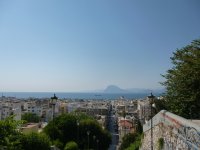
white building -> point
(10, 107)
(38, 107)
(16, 109)
(5, 112)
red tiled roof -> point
(125, 123)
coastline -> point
(75, 95)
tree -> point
(160, 104)
(139, 127)
(64, 128)
(12, 139)
(183, 82)
(136, 143)
(71, 146)
(127, 140)
(96, 130)
(35, 141)
(132, 138)
(9, 135)
(31, 117)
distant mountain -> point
(116, 89)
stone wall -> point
(178, 133)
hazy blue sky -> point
(71, 45)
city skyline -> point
(68, 46)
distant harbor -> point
(75, 95)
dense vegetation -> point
(71, 146)
(9, 136)
(35, 141)
(30, 117)
(136, 144)
(132, 141)
(68, 131)
(183, 82)
(85, 131)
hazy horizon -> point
(87, 45)
(102, 90)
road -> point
(113, 128)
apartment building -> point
(10, 106)
(145, 110)
(39, 107)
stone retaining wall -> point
(178, 133)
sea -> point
(76, 95)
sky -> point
(81, 45)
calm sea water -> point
(75, 95)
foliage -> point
(161, 104)
(65, 129)
(183, 82)
(62, 128)
(35, 141)
(95, 130)
(134, 138)
(127, 140)
(9, 135)
(71, 146)
(139, 127)
(160, 143)
(12, 139)
(31, 117)
(58, 144)
(136, 144)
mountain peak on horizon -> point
(116, 89)
(113, 89)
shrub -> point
(71, 146)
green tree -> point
(35, 141)
(71, 146)
(127, 140)
(12, 139)
(64, 128)
(31, 117)
(132, 141)
(58, 144)
(137, 142)
(160, 105)
(183, 81)
(96, 130)
(9, 134)
(139, 127)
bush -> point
(160, 143)
(65, 129)
(9, 136)
(35, 141)
(127, 140)
(137, 143)
(30, 117)
(71, 146)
